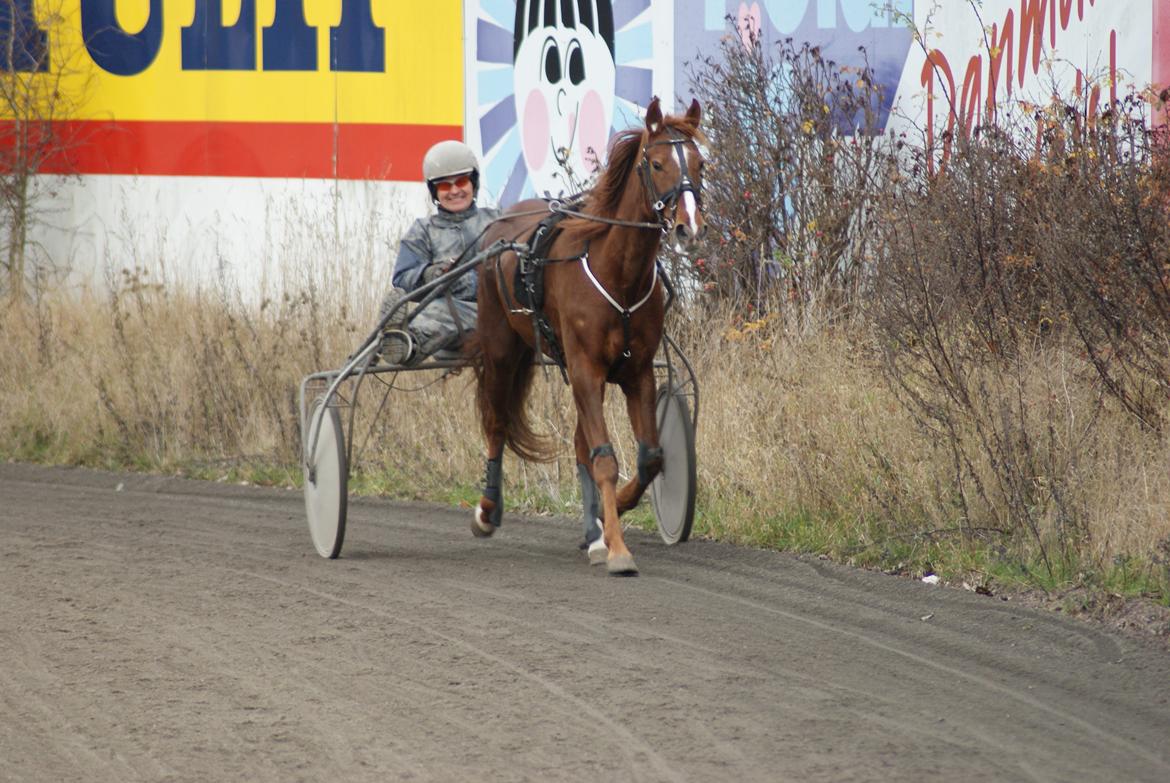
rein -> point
(555, 206)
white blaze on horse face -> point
(689, 206)
(691, 211)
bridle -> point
(660, 203)
(664, 203)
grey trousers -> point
(435, 328)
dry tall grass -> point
(801, 442)
(984, 390)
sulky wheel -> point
(673, 491)
(326, 478)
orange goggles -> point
(445, 185)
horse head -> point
(671, 169)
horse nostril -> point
(702, 232)
(682, 232)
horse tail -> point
(512, 406)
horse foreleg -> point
(640, 407)
(589, 394)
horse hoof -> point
(621, 565)
(480, 527)
(597, 553)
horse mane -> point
(604, 199)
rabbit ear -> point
(695, 112)
(654, 116)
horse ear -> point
(653, 116)
(695, 112)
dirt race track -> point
(161, 629)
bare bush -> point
(790, 195)
(1019, 295)
(1102, 223)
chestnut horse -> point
(605, 304)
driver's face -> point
(455, 193)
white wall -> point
(261, 235)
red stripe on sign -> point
(242, 149)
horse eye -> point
(657, 166)
(552, 63)
(576, 65)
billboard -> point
(548, 81)
(349, 89)
(230, 125)
(976, 60)
(359, 89)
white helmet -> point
(448, 158)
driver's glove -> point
(436, 270)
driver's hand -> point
(436, 269)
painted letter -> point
(860, 14)
(114, 49)
(1000, 52)
(24, 44)
(1032, 23)
(357, 44)
(936, 61)
(827, 14)
(289, 43)
(972, 95)
(786, 15)
(209, 46)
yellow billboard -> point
(351, 88)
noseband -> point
(661, 202)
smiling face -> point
(564, 90)
(455, 193)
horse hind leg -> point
(501, 386)
(489, 512)
(492, 398)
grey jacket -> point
(441, 238)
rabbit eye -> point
(552, 62)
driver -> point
(431, 247)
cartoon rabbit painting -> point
(564, 71)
